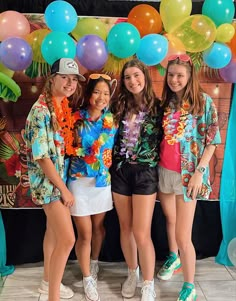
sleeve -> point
(213, 132)
(39, 125)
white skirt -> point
(89, 199)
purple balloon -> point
(228, 73)
(92, 52)
(16, 54)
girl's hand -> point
(67, 198)
(194, 185)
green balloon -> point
(88, 26)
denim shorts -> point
(132, 179)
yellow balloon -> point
(6, 71)
(225, 32)
(87, 26)
(173, 12)
(35, 39)
(196, 32)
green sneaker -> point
(171, 265)
(187, 293)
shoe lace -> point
(169, 261)
(131, 278)
(185, 293)
(147, 291)
(94, 269)
(91, 286)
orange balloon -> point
(146, 19)
(172, 49)
(232, 43)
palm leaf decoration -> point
(161, 69)
(37, 69)
(9, 90)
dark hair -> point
(193, 91)
(126, 101)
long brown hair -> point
(125, 101)
(193, 91)
(73, 100)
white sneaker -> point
(65, 291)
(94, 269)
(130, 284)
(147, 291)
(90, 289)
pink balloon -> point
(13, 24)
(228, 73)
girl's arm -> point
(50, 171)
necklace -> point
(66, 122)
(177, 125)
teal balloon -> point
(61, 16)
(219, 12)
(56, 45)
(217, 56)
(153, 49)
(123, 40)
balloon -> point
(6, 71)
(196, 33)
(87, 26)
(8, 88)
(173, 12)
(231, 250)
(16, 54)
(228, 73)
(123, 40)
(232, 43)
(220, 12)
(172, 49)
(92, 52)
(217, 56)
(56, 45)
(146, 19)
(225, 33)
(13, 24)
(152, 50)
(35, 39)
(60, 16)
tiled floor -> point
(213, 283)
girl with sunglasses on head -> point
(191, 134)
(134, 173)
(49, 138)
(89, 177)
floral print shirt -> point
(145, 151)
(94, 155)
(42, 142)
(199, 131)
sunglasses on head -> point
(98, 75)
(182, 57)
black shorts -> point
(132, 179)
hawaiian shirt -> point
(202, 131)
(42, 142)
(94, 154)
(147, 147)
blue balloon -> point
(61, 16)
(123, 40)
(16, 54)
(153, 49)
(92, 52)
(219, 12)
(217, 56)
(56, 45)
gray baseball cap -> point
(66, 66)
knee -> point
(99, 230)
(182, 243)
(170, 219)
(68, 242)
(141, 238)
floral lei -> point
(175, 134)
(66, 122)
(90, 154)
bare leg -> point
(60, 224)
(184, 223)
(168, 204)
(143, 206)
(98, 234)
(83, 243)
(124, 210)
(49, 244)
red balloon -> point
(146, 19)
